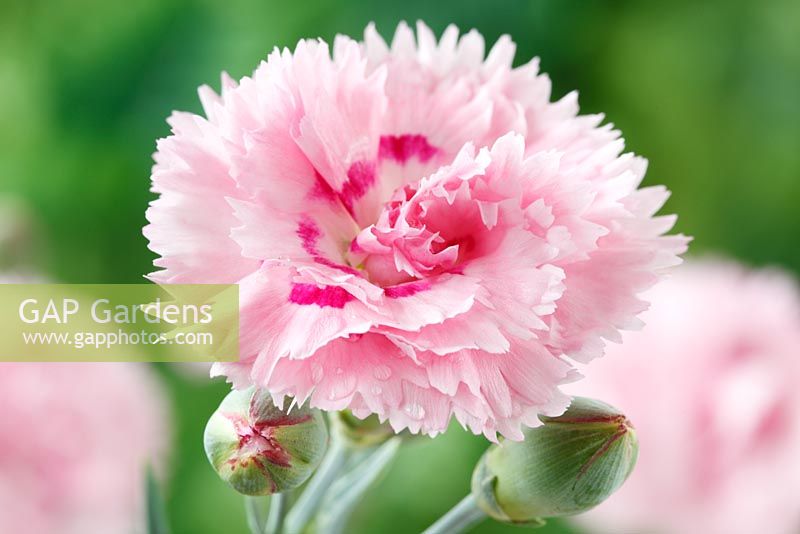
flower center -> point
(418, 234)
(400, 247)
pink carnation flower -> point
(75, 440)
(416, 230)
(711, 386)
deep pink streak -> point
(322, 189)
(401, 148)
(355, 247)
(360, 177)
(406, 290)
(328, 296)
(309, 234)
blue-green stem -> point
(345, 494)
(306, 506)
(461, 517)
(254, 507)
(277, 513)
(156, 511)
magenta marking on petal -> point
(360, 177)
(328, 296)
(406, 290)
(401, 148)
(355, 247)
(322, 189)
(309, 234)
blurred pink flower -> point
(711, 386)
(75, 439)
(389, 264)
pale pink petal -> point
(715, 404)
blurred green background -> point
(708, 91)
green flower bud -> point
(568, 465)
(357, 432)
(260, 449)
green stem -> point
(156, 511)
(277, 513)
(306, 506)
(253, 508)
(345, 494)
(461, 517)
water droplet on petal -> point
(415, 411)
(339, 370)
(376, 390)
(342, 386)
(382, 372)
